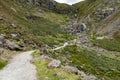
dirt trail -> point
(19, 68)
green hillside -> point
(84, 36)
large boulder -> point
(11, 45)
(80, 28)
(54, 64)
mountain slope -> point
(42, 24)
(102, 19)
(102, 16)
(33, 23)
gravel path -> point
(19, 68)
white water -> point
(64, 45)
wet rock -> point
(54, 64)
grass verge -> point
(2, 64)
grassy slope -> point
(109, 44)
(39, 27)
(34, 27)
(103, 66)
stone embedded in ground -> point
(1, 39)
(11, 45)
(14, 36)
(54, 64)
(14, 26)
(71, 69)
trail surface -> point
(19, 68)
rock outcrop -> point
(75, 28)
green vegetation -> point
(2, 64)
(41, 26)
(109, 44)
(37, 26)
(52, 74)
(90, 62)
(85, 7)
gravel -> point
(19, 68)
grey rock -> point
(11, 45)
(83, 27)
(91, 77)
(14, 35)
(54, 64)
(71, 69)
(14, 26)
(1, 39)
(104, 12)
(1, 18)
